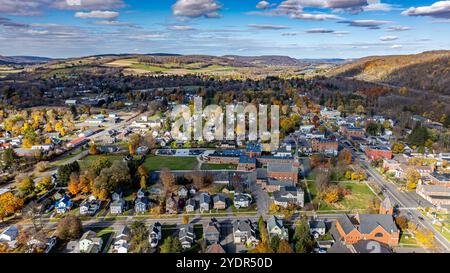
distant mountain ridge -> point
(17, 60)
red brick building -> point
(324, 146)
(282, 172)
(375, 153)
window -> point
(378, 235)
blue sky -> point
(297, 28)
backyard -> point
(156, 163)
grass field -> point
(407, 240)
(359, 198)
(92, 158)
(156, 163)
(207, 166)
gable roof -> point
(346, 223)
(215, 248)
(368, 222)
(274, 222)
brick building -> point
(376, 152)
(324, 146)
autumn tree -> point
(402, 222)
(167, 179)
(284, 247)
(412, 178)
(139, 238)
(26, 186)
(322, 181)
(9, 204)
(42, 166)
(69, 228)
(45, 184)
(425, 237)
(345, 156)
(332, 194)
(133, 143)
(185, 219)
(93, 149)
(65, 171)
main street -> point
(408, 202)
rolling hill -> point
(428, 71)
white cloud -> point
(370, 24)
(180, 28)
(36, 7)
(97, 14)
(316, 16)
(388, 38)
(398, 28)
(263, 5)
(275, 27)
(439, 9)
(396, 46)
(196, 8)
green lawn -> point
(156, 163)
(359, 198)
(84, 163)
(105, 234)
(406, 239)
(207, 166)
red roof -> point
(77, 141)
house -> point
(63, 205)
(154, 235)
(325, 146)
(244, 232)
(283, 172)
(377, 227)
(89, 243)
(89, 207)
(289, 196)
(212, 232)
(317, 228)
(242, 200)
(190, 205)
(205, 202)
(441, 179)
(435, 194)
(215, 249)
(118, 206)
(141, 193)
(186, 236)
(116, 196)
(9, 235)
(183, 192)
(122, 240)
(219, 201)
(141, 204)
(41, 242)
(171, 205)
(275, 228)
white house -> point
(275, 228)
(89, 243)
(317, 228)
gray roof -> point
(346, 223)
(387, 204)
(273, 221)
(205, 198)
(243, 226)
(316, 224)
(367, 246)
(368, 222)
(219, 198)
(282, 168)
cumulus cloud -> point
(274, 27)
(36, 7)
(263, 5)
(388, 38)
(180, 28)
(370, 24)
(439, 9)
(196, 8)
(88, 4)
(97, 14)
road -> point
(406, 201)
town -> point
(200, 127)
(98, 181)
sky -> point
(296, 28)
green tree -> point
(139, 238)
(302, 238)
(65, 171)
(418, 136)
